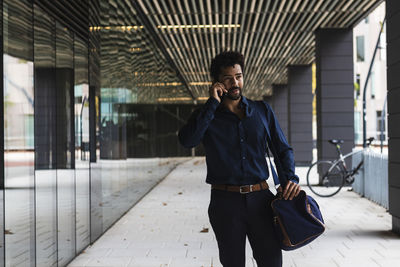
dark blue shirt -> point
(235, 148)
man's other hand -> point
(291, 190)
(217, 90)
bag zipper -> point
(286, 237)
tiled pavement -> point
(168, 227)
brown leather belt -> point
(243, 189)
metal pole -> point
(365, 87)
(383, 119)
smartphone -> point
(222, 97)
(223, 94)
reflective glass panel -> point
(45, 139)
(18, 133)
(1, 176)
(82, 156)
(65, 144)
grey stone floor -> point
(170, 227)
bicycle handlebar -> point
(335, 142)
(369, 141)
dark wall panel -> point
(280, 106)
(394, 192)
(152, 130)
(300, 113)
(393, 127)
(393, 85)
(394, 169)
(335, 90)
(393, 97)
(45, 110)
(392, 46)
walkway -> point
(170, 227)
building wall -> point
(78, 150)
(334, 92)
(368, 29)
(300, 113)
(280, 100)
(393, 85)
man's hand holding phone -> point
(217, 90)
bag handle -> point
(269, 141)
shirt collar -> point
(245, 104)
(242, 104)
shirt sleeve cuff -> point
(212, 103)
(295, 179)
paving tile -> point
(358, 261)
(150, 262)
(80, 261)
(96, 252)
(163, 229)
(109, 261)
(388, 262)
(131, 252)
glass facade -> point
(85, 135)
(19, 156)
(128, 74)
(45, 141)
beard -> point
(233, 96)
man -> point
(234, 139)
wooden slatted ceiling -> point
(272, 34)
(130, 59)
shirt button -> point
(244, 158)
(241, 140)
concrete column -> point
(270, 100)
(280, 99)
(300, 113)
(393, 85)
(335, 90)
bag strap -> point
(261, 111)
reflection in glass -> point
(46, 129)
(45, 139)
(82, 157)
(65, 97)
(130, 68)
(65, 144)
(96, 210)
(2, 176)
(18, 133)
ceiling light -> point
(120, 28)
(159, 84)
(200, 83)
(170, 99)
(198, 26)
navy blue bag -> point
(298, 221)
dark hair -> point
(223, 60)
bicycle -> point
(325, 178)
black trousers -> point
(233, 216)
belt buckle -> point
(243, 186)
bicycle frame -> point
(334, 176)
(342, 160)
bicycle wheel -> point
(323, 182)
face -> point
(232, 78)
